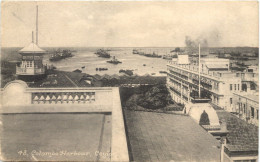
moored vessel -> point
(114, 61)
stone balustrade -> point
(63, 98)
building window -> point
(235, 87)
(28, 63)
(230, 101)
(250, 70)
(244, 87)
(252, 112)
(244, 108)
(252, 86)
(238, 87)
(230, 87)
(257, 114)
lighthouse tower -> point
(31, 66)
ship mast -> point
(32, 38)
(199, 70)
(37, 25)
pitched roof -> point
(32, 48)
(97, 76)
(62, 79)
(106, 76)
(242, 136)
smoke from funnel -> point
(192, 45)
(195, 43)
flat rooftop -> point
(164, 137)
(254, 96)
(56, 137)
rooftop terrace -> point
(57, 137)
(60, 124)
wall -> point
(15, 94)
(243, 102)
(17, 97)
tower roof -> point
(32, 48)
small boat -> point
(163, 72)
(77, 71)
(128, 72)
(114, 61)
(101, 69)
(135, 51)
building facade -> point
(217, 81)
(247, 107)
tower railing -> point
(29, 70)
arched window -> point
(204, 119)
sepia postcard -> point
(129, 81)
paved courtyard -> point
(164, 137)
(59, 137)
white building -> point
(31, 64)
(217, 82)
(247, 107)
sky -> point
(130, 24)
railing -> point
(211, 127)
(29, 70)
(195, 69)
(39, 70)
(63, 98)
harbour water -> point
(129, 61)
(86, 57)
